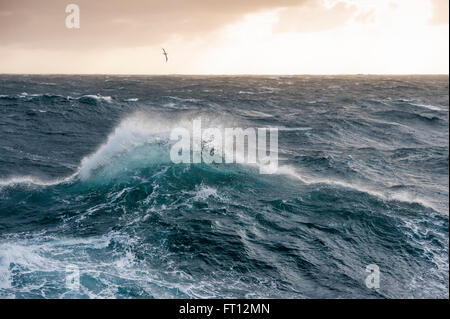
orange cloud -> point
(118, 23)
(440, 12)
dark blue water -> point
(86, 180)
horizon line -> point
(237, 74)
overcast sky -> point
(226, 36)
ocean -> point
(88, 190)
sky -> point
(226, 37)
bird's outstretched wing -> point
(165, 54)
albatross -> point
(166, 55)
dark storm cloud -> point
(119, 23)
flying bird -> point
(166, 55)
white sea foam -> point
(131, 133)
(182, 99)
(51, 255)
(253, 113)
(417, 103)
(139, 129)
(387, 195)
(246, 92)
(31, 180)
(203, 192)
(24, 255)
(98, 97)
(429, 106)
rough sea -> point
(86, 181)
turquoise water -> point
(86, 180)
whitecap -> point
(387, 195)
(98, 97)
(31, 180)
(429, 106)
